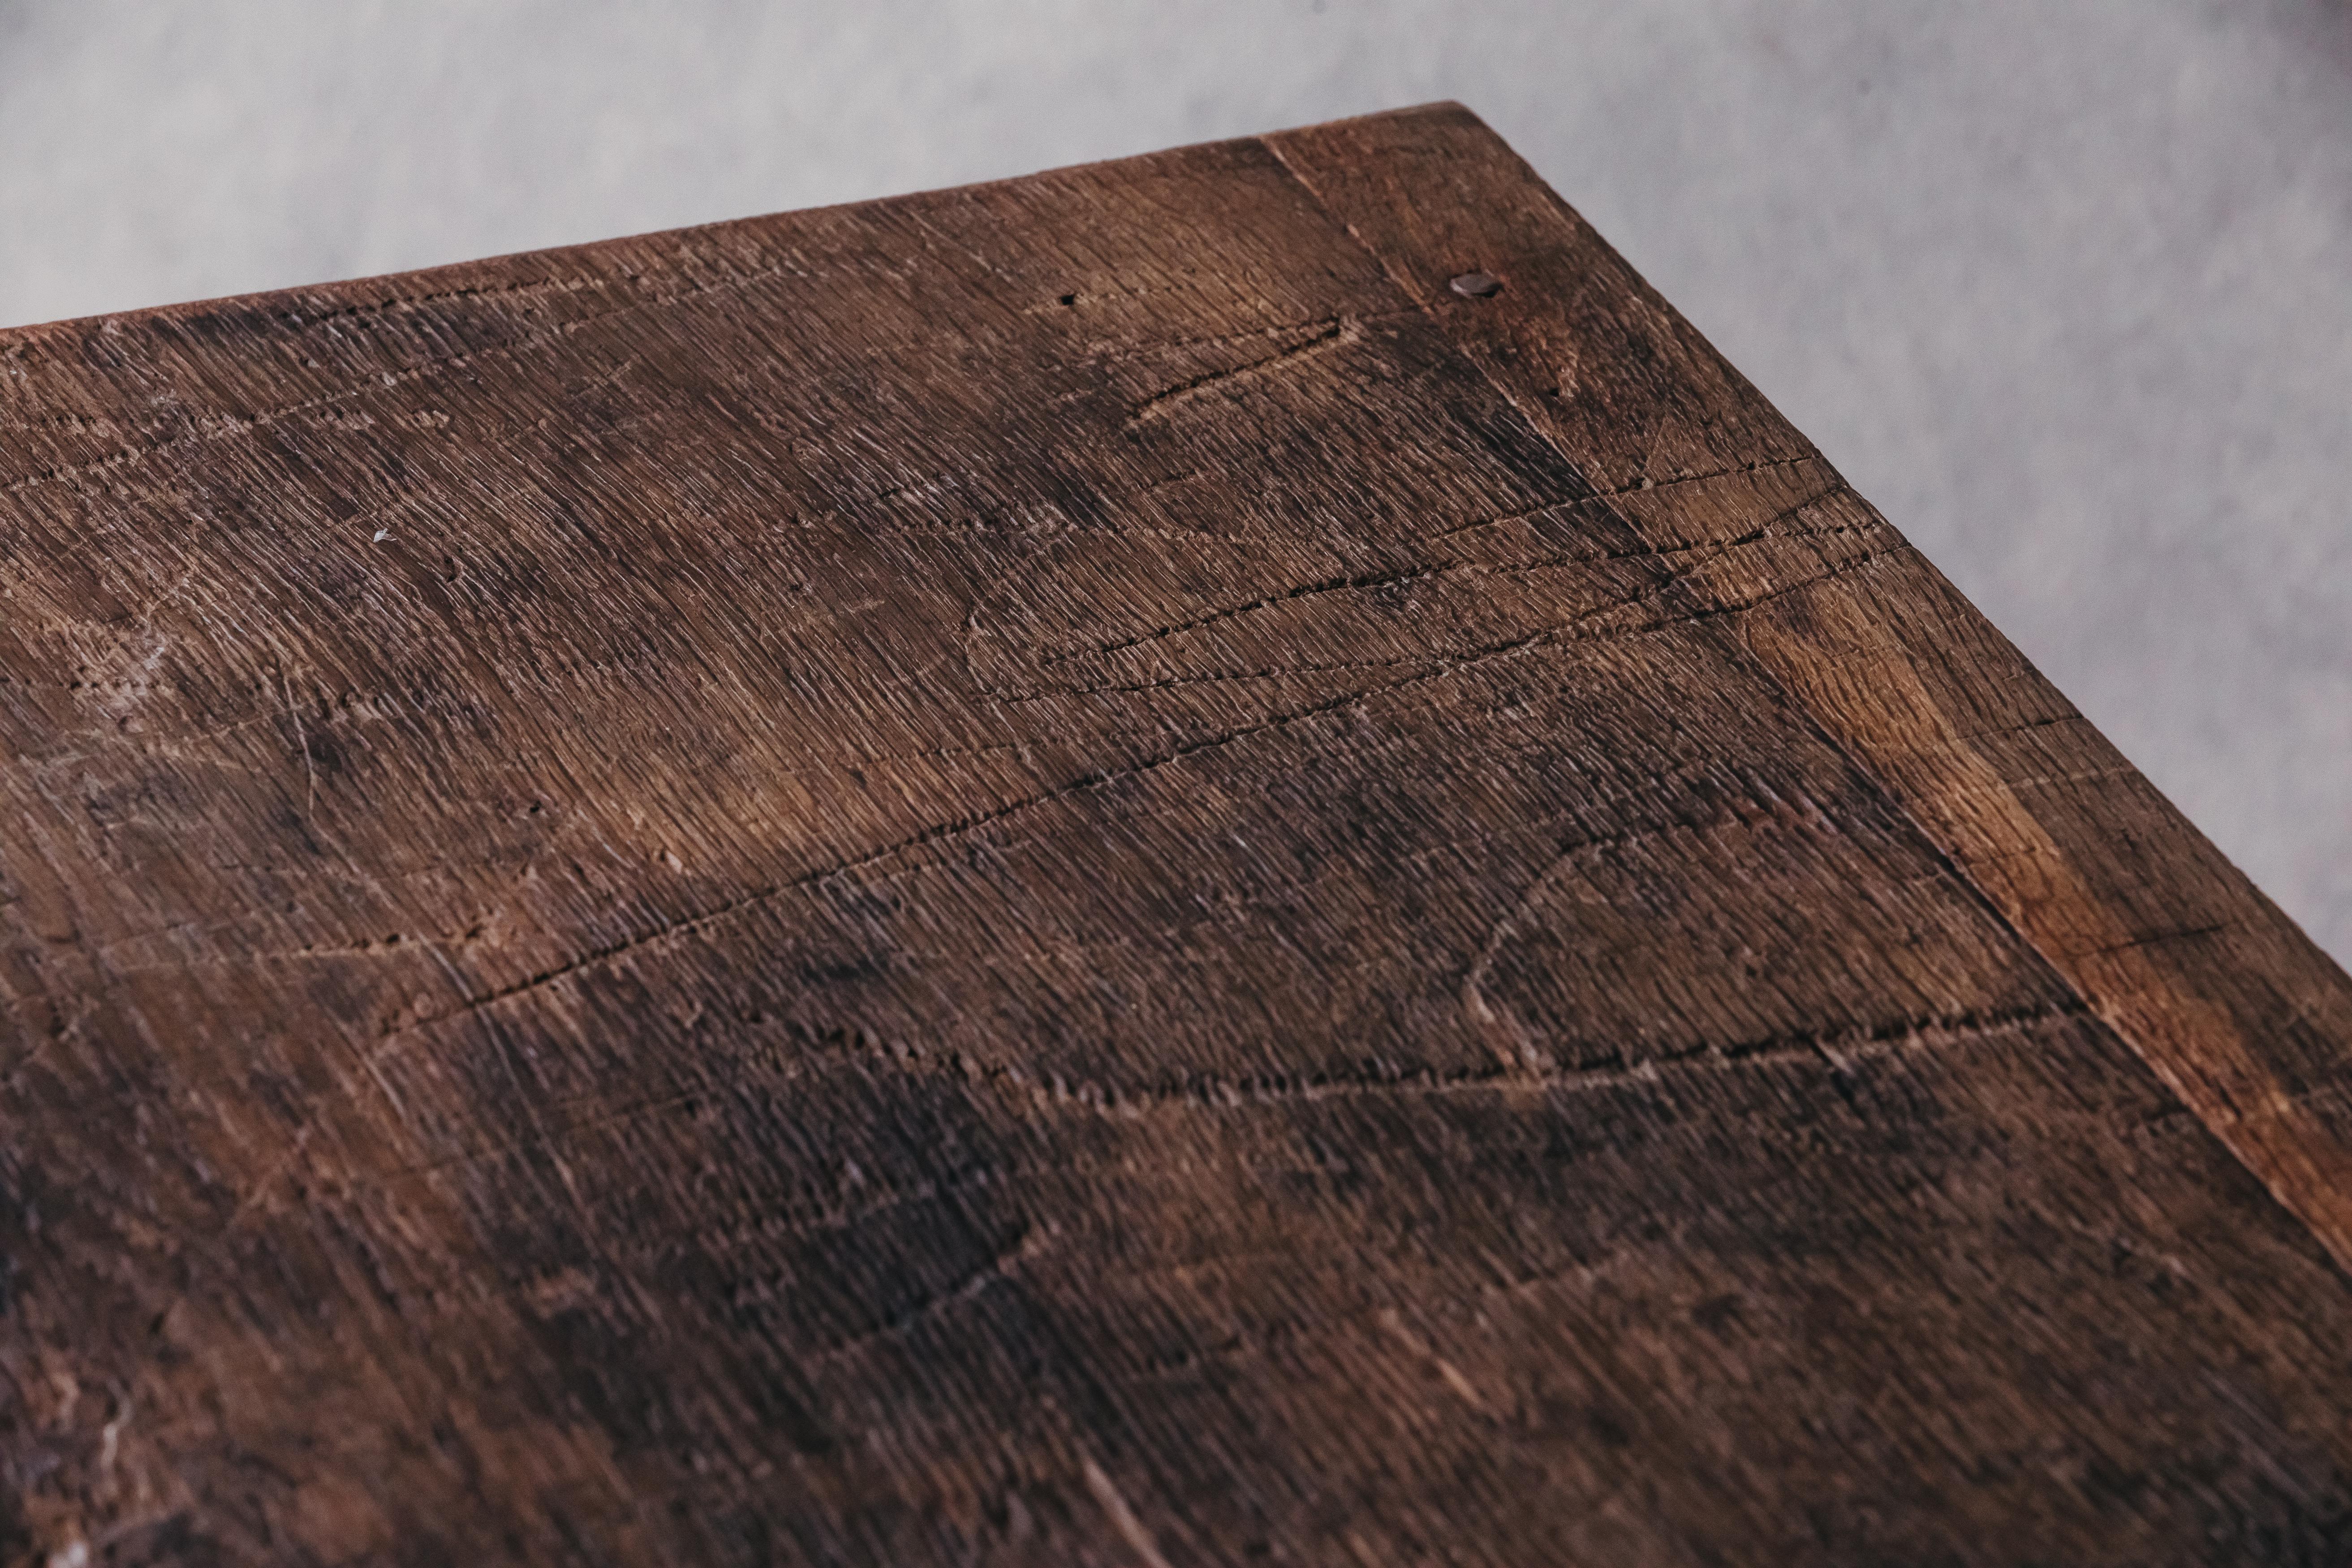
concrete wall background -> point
(2065, 286)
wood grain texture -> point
(1079, 872)
(2226, 998)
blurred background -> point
(2065, 286)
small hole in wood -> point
(1069, 298)
(1477, 285)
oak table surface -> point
(1219, 858)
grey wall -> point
(2065, 286)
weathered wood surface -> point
(1084, 872)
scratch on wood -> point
(1393, 1322)
(1334, 334)
(1122, 1517)
(991, 1271)
(949, 831)
(1358, 583)
(301, 743)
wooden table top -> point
(1219, 858)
